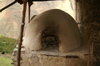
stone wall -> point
(39, 58)
(88, 14)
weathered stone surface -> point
(42, 60)
(50, 58)
(60, 24)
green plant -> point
(5, 61)
(7, 44)
(1, 35)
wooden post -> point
(89, 53)
(92, 56)
(21, 33)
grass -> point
(5, 61)
(7, 44)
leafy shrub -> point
(7, 44)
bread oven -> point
(52, 30)
(52, 38)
